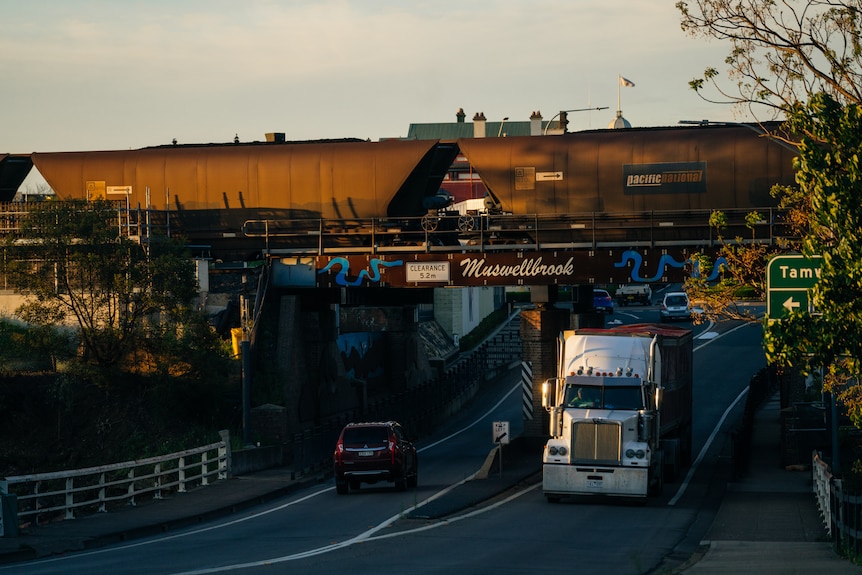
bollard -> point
(8, 515)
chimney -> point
(479, 125)
(460, 115)
(536, 124)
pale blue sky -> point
(100, 74)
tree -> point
(782, 51)
(76, 266)
(831, 176)
(743, 265)
(802, 61)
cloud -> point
(73, 67)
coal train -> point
(639, 186)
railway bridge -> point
(343, 222)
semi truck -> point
(620, 412)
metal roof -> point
(456, 130)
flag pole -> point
(619, 85)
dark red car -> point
(374, 451)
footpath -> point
(767, 523)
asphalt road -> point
(316, 531)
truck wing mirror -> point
(547, 388)
(659, 396)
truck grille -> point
(596, 441)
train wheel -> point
(466, 223)
(430, 223)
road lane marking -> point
(688, 477)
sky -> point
(107, 75)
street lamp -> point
(548, 125)
(501, 126)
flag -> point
(627, 83)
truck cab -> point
(606, 432)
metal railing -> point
(840, 508)
(443, 231)
(822, 480)
(44, 497)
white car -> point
(675, 305)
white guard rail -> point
(822, 480)
(44, 497)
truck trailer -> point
(620, 411)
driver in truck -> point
(586, 397)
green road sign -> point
(788, 279)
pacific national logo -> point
(671, 177)
(664, 178)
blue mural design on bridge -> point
(372, 274)
(664, 262)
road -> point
(315, 531)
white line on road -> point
(684, 485)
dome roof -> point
(619, 122)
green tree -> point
(802, 61)
(831, 176)
(743, 271)
(76, 267)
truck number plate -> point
(594, 483)
(366, 453)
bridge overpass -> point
(599, 206)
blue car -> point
(602, 301)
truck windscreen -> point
(616, 397)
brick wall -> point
(539, 331)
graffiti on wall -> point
(363, 356)
(371, 274)
(634, 259)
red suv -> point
(372, 452)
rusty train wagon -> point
(632, 187)
(245, 197)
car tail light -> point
(339, 450)
(392, 449)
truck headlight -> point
(554, 450)
(635, 453)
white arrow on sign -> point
(790, 305)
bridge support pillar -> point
(539, 330)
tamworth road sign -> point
(788, 279)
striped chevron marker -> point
(527, 387)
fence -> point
(760, 387)
(44, 497)
(840, 507)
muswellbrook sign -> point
(498, 268)
(467, 269)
